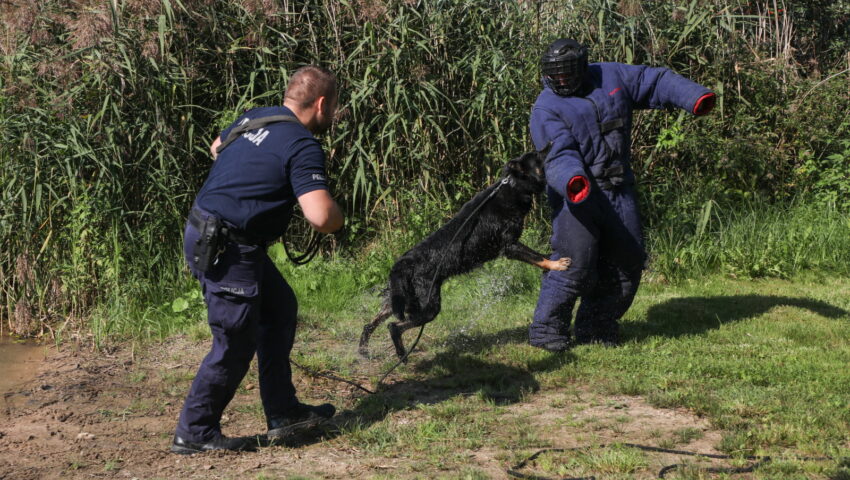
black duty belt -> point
(233, 234)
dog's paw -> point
(560, 264)
(363, 351)
(395, 335)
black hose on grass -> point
(758, 461)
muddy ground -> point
(111, 415)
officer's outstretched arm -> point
(321, 211)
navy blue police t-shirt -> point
(256, 180)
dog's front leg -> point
(518, 251)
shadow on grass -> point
(456, 371)
(693, 315)
(459, 345)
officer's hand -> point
(578, 188)
(705, 104)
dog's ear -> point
(516, 165)
(545, 152)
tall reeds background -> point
(107, 108)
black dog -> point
(488, 225)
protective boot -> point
(598, 316)
(300, 418)
(550, 329)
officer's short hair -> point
(309, 83)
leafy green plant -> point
(831, 175)
(188, 306)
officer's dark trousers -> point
(251, 309)
(602, 235)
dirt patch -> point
(589, 425)
(618, 419)
(112, 414)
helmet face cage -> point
(564, 65)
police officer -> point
(585, 111)
(244, 204)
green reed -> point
(108, 111)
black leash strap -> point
(472, 214)
(314, 373)
(404, 358)
(252, 124)
(309, 253)
(758, 461)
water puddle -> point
(20, 362)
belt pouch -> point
(207, 246)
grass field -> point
(763, 363)
(738, 342)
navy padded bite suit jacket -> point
(599, 226)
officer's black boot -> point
(220, 442)
(300, 418)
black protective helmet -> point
(564, 64)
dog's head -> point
(527, 169)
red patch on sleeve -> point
(705, 104)
(578, 188)
(612, 92)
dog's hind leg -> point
(413, 319)
(386, 311)
(518, 251)
(396, 329)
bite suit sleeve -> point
(658, 87)
(564, 160)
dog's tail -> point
(400, 289)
